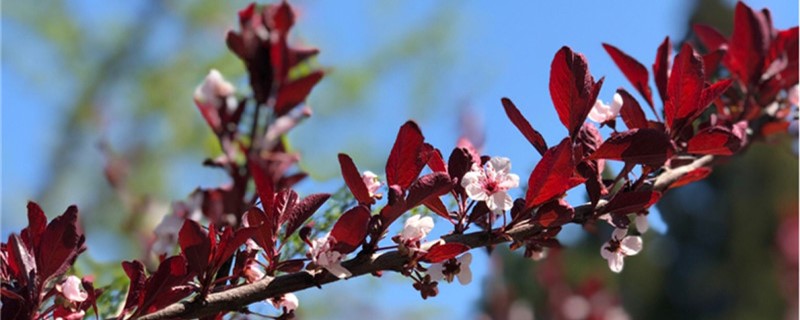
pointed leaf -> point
(435, 160)
(572, 88)
(264, 185)
(632, 201)
(710, 94)
(135, 271)
(21, 263)
(522, 124)
(711, 62)
(195, 245)
(160, 286)
(661, 68)
(443, 252)
(714, 140)
(640, 146)
(431, 185)
(436, 205)
(749, 44)
(405, 164)
(353, 180)
(37, 223)
(232, 243)
(553, 175)
(265, 236)
(351, 229)
(284, 202)
(293, 93)
(459, 163)
(685, 87)
(302, 211)
(553, 214)
(61, 244)
(633, 70)
(631, 111)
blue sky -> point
(497, 50)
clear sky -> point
(496, 50)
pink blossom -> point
(641, 223)
(214, 91)
(72, 289)
(453, 268)
(372, 182)
(491, 184)
(288, 302)
(252, 271)
(323, 255)
(601, 112)
(416, 228)
(620, 246)
(793, 95)
(167, 234)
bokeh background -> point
(88, 83)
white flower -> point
(620, 246)
(372, 182)
(167, 234)
(602, 112)
(538, 255)
(72, 289)
(252, 272)
(288, 302)
(491, 184)
(214, 91)
(453, 268)
(641, 223)
(416, 228)
(323, 255)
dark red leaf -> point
(302, 211)
(661, 68)
(522, 124)
(459, 163)
(405, 164)
(685, 87)
(694, 175)
(135, 271)
(553, 214)
(264, 185)
(232, 243)
(633, 70)
(351, 229)
(710, 94)
(711, 62)
(641, 146)
(428, 186)
(162, 287)
(21, 262)
(37, 223)
(436, 205)
(714, 140)
(749, 43)
(631, 111)
(443, 252)
(553, 175)
(572, 88)
(265, 236)
(353, 180)
(710, 37)
(632, 201)
(284, 202)
(195, 245)
(60, 245)
(435, 160)
(293, 93)
(280, 17)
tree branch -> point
(244, 295)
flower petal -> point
(619, 234)
(641, 223)
(338, 270)
(616, 261)
(465, 276)
(435, 271)
(501, 165)
(631, 245)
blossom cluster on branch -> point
(229, 246)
